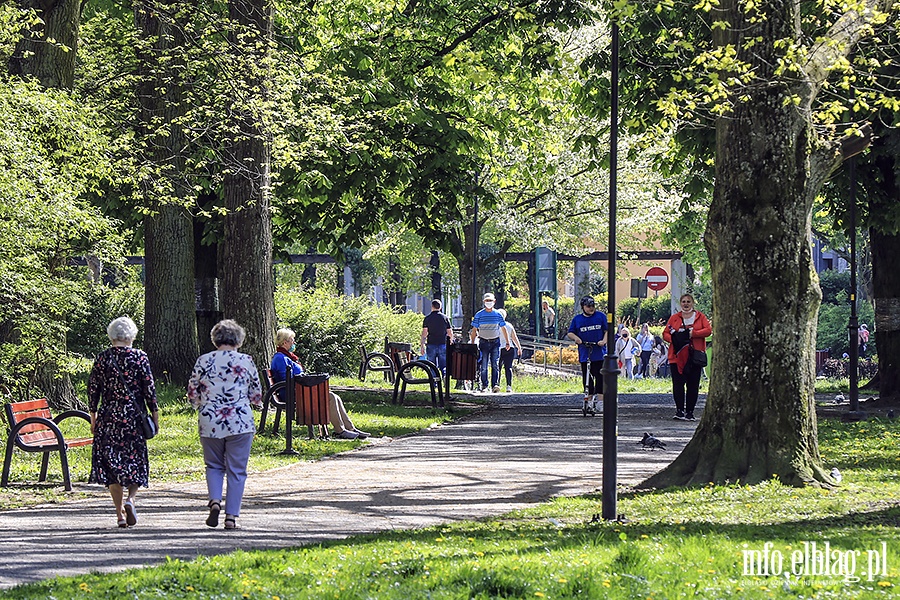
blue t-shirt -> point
(488, 324)
(590, 329)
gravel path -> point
(520, 452)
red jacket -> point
(701, 329)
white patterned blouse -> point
(222, 387)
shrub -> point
(654, 310)
(330, 329)
(838, 368)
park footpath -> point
(523, 450)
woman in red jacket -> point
(686, 329)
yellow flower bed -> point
(569, 356)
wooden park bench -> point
(33, 429)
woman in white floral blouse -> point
(223, 387)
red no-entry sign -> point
(657, 278)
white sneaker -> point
(509, 389)
(496, 389)
(347, 435)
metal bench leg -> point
(7, 460)
(262, 416)
(276, 420)
(45, 460)
(64, 460)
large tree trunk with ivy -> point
(49, 45)
(760, 419)
(170, 336)
(248, 287)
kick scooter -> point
(589, 408)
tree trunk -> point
(170, 336)
(248, 287)
(886, 279)
(170, 325)
(760, 419)
(53, 64)
(885, 275)
(206, 284)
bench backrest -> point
(34, 433)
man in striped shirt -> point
(490, 327)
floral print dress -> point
(119, 453)
(222, 387)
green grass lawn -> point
(175, 453)
(677, 543)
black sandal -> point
(230, 523)
(214, 509)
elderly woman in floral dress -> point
(223, 387)
(120, 386)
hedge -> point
(330, 329)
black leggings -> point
(506, 360)
(594, 383)
(690, 380)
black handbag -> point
(698, 358)
(148, 425)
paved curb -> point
(523, 451)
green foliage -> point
(832, 331)
(99, 305)
(654, 310)
(52, 157)
(330, 329)
(832, 282)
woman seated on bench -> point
(337, 414)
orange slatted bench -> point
(33, 429)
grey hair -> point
(122, 329)
(502, 313)
(227, 333)
(282, 335)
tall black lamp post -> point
(611, 364)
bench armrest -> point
(14, 432)
(72, 413)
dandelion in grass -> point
(539, 594)
(606, 583)
(885, 584)
(84, 587)
(189, 588)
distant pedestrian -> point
(627, 349)
(548, 316)
(863, 339)
(645, 341)
(435, 331)
(659, 362)
(508, 355)
(490, 329)
(686, 329)
(120, 390)
(223, 387)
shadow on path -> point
(511, 456)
